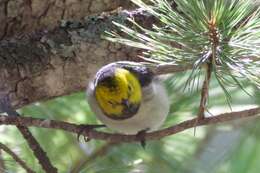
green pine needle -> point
(197, 30)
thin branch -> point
(83, 162)
(205, 92)
(16, 158)
(170, 68)
(38, 151)
(2, 163)
(93, 134)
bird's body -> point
(149, 114)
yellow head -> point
(118, 93)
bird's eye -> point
(129, 88)
(110, 102)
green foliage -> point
(223, 33)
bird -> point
(128, 98)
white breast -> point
(151, 114)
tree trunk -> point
(24, 16)
(47, 64)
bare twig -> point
(86, 160)
(38, 151)
(2, 164)
(205, 92)
(93, 134)
(170, 68)
(16, 158)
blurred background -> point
(232, 147)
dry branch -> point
(16, 158)
(93, 134)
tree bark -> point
(24, 16)
(47, 64)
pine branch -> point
(227, 30)
(93, 134)
(16, 158)
(211, 61)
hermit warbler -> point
(128, 98)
